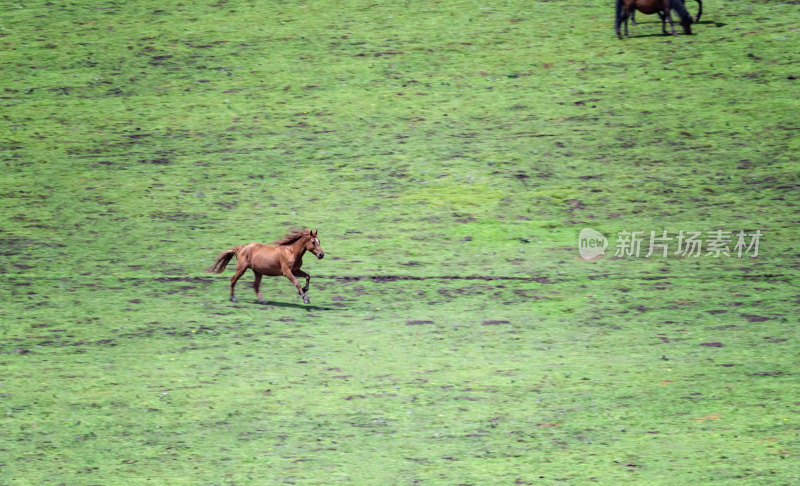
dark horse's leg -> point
(668, 17)
(299, 273)
(621, 16)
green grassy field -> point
(449, 154)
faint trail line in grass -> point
(395, 278)
(415, 278)
(540, 279)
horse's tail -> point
(223, 259)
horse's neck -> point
(299, 247)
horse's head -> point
(686, 19)
(686, 22)
(313, 245)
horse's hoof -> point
(234, 299)
(305, 300)
(262, 302)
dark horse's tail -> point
(223, 259)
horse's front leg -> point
(288, 274)
(299, 273)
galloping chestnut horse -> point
(625, 9)
(283, 257)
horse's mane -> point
(293, 235)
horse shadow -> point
(701, 22)
(661, 34)
(644, 36)
(289, 305)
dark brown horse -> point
(625, 9)
(283, 257)
(696, 19)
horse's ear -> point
(314, 233)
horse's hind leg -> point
(240, 269)
(619, 18)
(257, 288)
(627, 12)
(620, 21)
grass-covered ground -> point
(449, 153)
